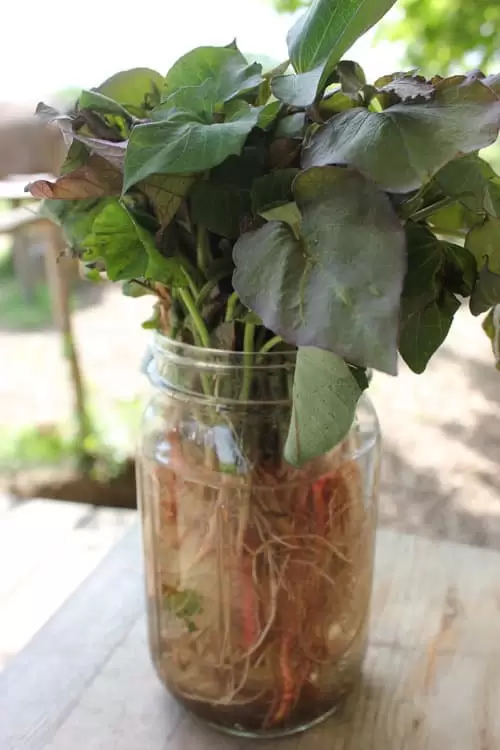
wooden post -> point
(57, 282)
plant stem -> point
(203, 255)
(248, 348)
(188, 273)
(198, 321)
(429, 210)
(231, 306)
(211, 284)
(270, 344)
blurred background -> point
(71, 351)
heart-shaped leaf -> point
(402, 147)
(137, 90)
(319, 39)
(483, 241)
(223, 72)
(473, 182)
(337, 284)
(486, 292)
(184, 146)
(325, 395)
(423, 330)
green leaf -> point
(483, 241)
(291, 126)
(220, 207)
(137, 90)
(486, 292)
(351, 76)
(223, 73)
(115, 239)
(426, 261)
(185, 603)
(473, 182)
(404, 146)
(288, 213)
(325, 395)
(336, 103)
(183, 147)
(223, 202)
(436, 270)
(91, 99)
(491, 326)
(77, 156)
(268, 114)
(273, 190)
(460, 269)
(424, 330)
(153, 323)
(297, 90)
(127, 249)
(74, 217)
(336, 286)
(320, 38)
(133, 289)
(166, 193)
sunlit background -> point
(441, 429)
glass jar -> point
(258, 574)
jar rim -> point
(214, 359)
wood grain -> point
(41, 685)
(50, 553)
(432, 676)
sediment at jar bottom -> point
(251, 712)
(259, 589)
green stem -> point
(203, 255)
(270, 344)
(211, 283)
(248, 348)
(188, 274)
(429, 210)
(231, 306)
(198, 321)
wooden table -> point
(432, 673)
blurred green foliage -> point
(443, 36)
(440, 36)
(112, 441)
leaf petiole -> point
(424, 213)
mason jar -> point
(258, 573)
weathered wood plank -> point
(432, 677)
(41, 685)
(57, 571)
(28, 531)
(127, 708)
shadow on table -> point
(437, 512)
